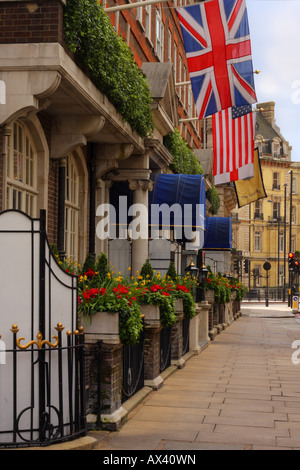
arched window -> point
(71, 209)
(21, 180)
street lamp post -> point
(290, 240)
(284, 242)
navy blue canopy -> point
(183, 193)
(218, 234)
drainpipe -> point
(6, 132)
(61, 208)
(92, 157)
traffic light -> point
(291, 261)
(246, 266)
(297, 267)
(236, 266)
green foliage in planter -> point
(130, 325)
(213, 197)
(188, 306)
(89, 263)
(147, 270)
(166, 307)
(184, 159)
(109, 62)
(172, 273)
(102, 267)
(187, 297)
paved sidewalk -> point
(242, 392)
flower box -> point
(210, 296)
(151, 315)
(103, 326)
(179, 306)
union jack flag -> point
(218, 49)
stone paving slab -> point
(240, 393)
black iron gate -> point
(42, 377)
(133, 368)
(165, 348)
(185, 335)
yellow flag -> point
(251, 190)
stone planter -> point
(199, 328)
(177, 336)
(153, 327)
(104, 326)
(151, 315)
(209, 296)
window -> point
(294, 185)
(276, 149)
(148, 22)
(281, 276)
(294, 217)
(160, 33)
(276, 180)
(175, 62)
(257, 210)
(281, 242)
(169, 46)
(276, 210)
(139, 13)
(21, 171)
(293, 244)
(257, 241)
(71, 209)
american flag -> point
(233, 145)
(218, 49)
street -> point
(241, 393)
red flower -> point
(89, 273)
(88, 293)
(102, 290)
(165, 293)
(155, 288)
(120, 290)
(182, 288)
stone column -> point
(204, 324)
(140, 223)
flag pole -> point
(134, 5)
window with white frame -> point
(276, 148)
(257, 241)
(160, 33)
(139, 12)
(294, 215)
(71, 209)
(148, 22)
(281, 242)
(294, 185)
(281, 276)
(293, 243)
(175, 62)
(170, 41)
(21, 182)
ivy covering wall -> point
(109, 62)
(214, 198)
(184, 159)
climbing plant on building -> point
(109, 62)
(213, 197)
(184, 159)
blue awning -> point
(180, 201)
(218, 234)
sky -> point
(275, 41)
